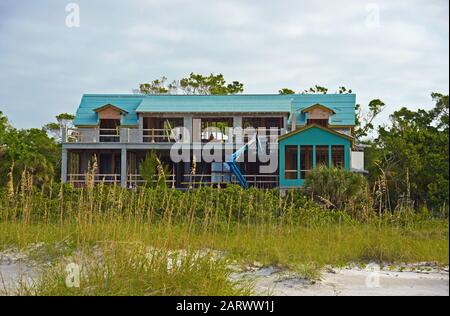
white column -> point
(64, 165)
(123, 168)
(237, 126)
(63, 134)
(187, 124)
(196, 130)
(237, 121)
(124, 135)
(141, 127)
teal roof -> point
(215, 104)
(342, 104)
(86, 115)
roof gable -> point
(110, 106)
(318, 106)
(306, 128)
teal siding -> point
(315, 137)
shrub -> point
(339, 188)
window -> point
(157, 129)
(215, 128)
(322, 155)
(290, 162)
(321, 122)
(338, 156)
(306, 160)
(109, 130)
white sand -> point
(354, 282)
(416, 280)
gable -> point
(110, 112)
(314, 134)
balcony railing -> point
(109, 135)
(92, 135)
(154, 135)
(83, 178)
(134, 180)
(257, 180)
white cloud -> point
(268, 45)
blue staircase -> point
(235, 156)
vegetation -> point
(340, 189)
(411, 157)
(153, 171)
(130, 241)
(194, 84)
(30, 150)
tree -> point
(156, 86)
(343, 90)
(364, 119)
(194, 84)
(64, 121)
(5, 127)
(153, 171)
(212, 84)
(316, 90)
(286, 91)
(412, 156)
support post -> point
(141, 128)
(187, 133)
(237, 126)
(330, 157)
(123, 168)
(64, 165)
(63, 134)
(196, 130)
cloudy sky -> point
(394, 50)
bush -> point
(340, 189)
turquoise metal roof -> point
(342, 104)
(215, 104)
(86, 115)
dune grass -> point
(112, 230)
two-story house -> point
(296, 132)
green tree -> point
(212, 84)
(193, 84)
(316, 90)
(286, 91)
(5, 128)
(156, 86)
(63, 121)
(364, 119)
(153, 171)
(31, 150)
(412, 156)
